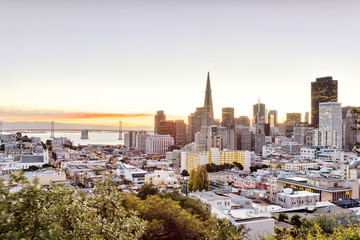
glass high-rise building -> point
(228, 119)
(324, 89)
(273, 118)
(259, 113)
(330, 118)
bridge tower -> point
(120, 131)
(52, 131)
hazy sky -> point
(75, 60)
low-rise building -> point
(289, 198)
(163, 179)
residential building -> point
(191, 160)
(158, 144)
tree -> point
(54, 155)
(147, 189)
(239, 165)
(201, 181)
(283, 217)
(33, 168)
(167, 220)
(47, 165)
(295, 220)
(26, 139)
(43, 145)
(226, 230)
(191, 180)
(55, 212)
(185, 173)
(210, 167)
(18, 136)
(264, 166)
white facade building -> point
(289, 199)
(324, 137)
(307, 153)
(158, 144)
(330, 118)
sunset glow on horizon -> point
(61, 63)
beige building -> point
(330, 189)
(191, 160)
(163, 179)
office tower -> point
(291, 120)
(242, 120)
(259, 113)
(176, 129)
(243, 139)
(141, 141)
(350, 136)
(159, 117)
(228, 119)
(180, 130)
(130, 138)
(330, 118)
(208, 116)
(306, 120)
(158, 144)
(194, 124)
(300, 130)
(324, 89)
(167, 128)
(220, 137)
(273, 118)
(257, 142)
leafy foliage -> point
(185, 173)
(318, 227)
(199, 179)
(147, 189)
(283, 217)
(55, 212)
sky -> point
(98, 62)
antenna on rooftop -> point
(52, 131)
(120, 131)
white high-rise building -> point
(330, 118)
(158, 144)
(323, 137)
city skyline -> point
(129, 62)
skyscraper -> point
(273, 118)
(194, 124)
(208, 116)
(259, 113)
(306, 120)
(291, 120)
(330, 118)
(228, 119)
(176, 129)
(324, 89)
(242, 120)
(159, 117)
